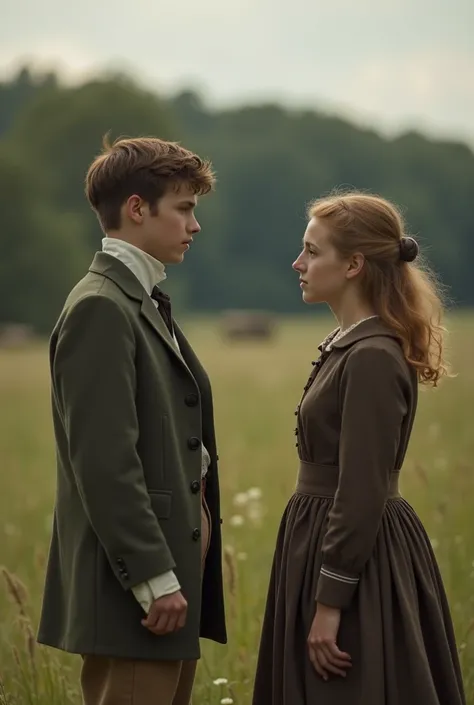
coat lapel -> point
(112, 268)
(191, 361)
(149, 311)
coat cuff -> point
(336, 589)
(137, 568)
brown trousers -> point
(114, 681)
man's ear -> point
(134, 209)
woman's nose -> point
(298, 265)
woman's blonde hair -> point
(403, 293)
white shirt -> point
(149, 272)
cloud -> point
(387, 61)
(424, 87)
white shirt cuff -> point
(164, 584)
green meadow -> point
(256, 387)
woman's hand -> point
(323, 650)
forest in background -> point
(270, 161)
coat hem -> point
(113, 652)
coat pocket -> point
(161, 503)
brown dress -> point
(349, 540)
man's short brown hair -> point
(145, 166)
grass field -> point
(256, 387)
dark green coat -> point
(129, 417)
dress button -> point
(196, 534)
(194, 443)
(191, 400)
(195, 486)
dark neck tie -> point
(164, 307)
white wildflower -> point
(241, 499)
(254, 493)
(236, 520)
(220, 681)
(226, 701)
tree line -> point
(270, 161)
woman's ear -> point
(356, 264)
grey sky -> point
(392, 63)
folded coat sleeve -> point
(373, 406)
(93, 371)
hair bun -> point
(409, 249)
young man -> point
(134, 575)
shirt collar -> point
(148, 270)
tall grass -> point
(256, 387)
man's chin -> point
(173, 259)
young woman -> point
(356, 611)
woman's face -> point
(323, 273)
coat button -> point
(194, 443)
(191, 400)
(195, 486)
(196, 534)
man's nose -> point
(195, 227)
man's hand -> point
(323, 650)
(167, 614)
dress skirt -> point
(397, 629)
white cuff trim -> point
(341, 578)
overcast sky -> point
(390, 63)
